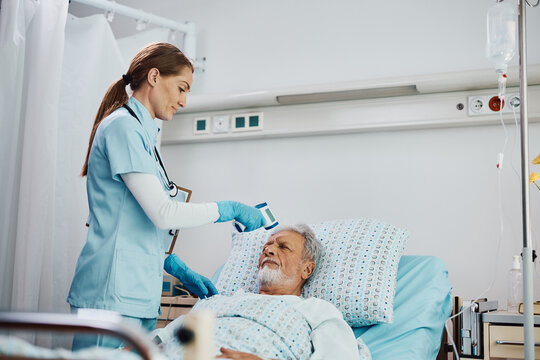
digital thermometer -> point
(270, 221)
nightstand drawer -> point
(170, 313)
(503, 334)
(173, 307)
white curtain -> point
(55, 69)
(31, 50)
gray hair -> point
(312, 245)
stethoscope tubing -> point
(171, 185)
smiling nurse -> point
(120, 267)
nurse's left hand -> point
(248, 216)
(194, 282)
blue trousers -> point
(83, 341)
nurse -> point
(131, 200)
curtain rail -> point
(188, 27)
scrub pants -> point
(83, 341)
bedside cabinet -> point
(172, 307)
(503, 335)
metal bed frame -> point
(74, 323)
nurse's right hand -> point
(248, 216)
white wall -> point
(252, 45)
(441, 183)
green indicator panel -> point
(240, 122)
(201, 125)
(254, 121)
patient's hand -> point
(236, 355)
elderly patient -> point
(277, 322)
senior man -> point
(277, 323)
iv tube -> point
(502, 89)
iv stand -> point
(528, 317)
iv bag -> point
(501, 34)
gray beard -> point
(267, 277)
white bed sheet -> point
(13, 346)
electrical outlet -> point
(489, 104)
(476, 105)
(220, 124)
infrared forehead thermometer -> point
(270, 221)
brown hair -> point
(165, 57)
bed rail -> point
(75, 323)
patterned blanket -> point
(271, 327)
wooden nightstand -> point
(503, 334)
(172, 307)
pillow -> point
(356, 273)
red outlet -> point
(495, 104)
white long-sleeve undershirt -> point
(164, 212)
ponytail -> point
(167, 58)
(115, 97)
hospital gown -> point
(277, 327)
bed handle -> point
(73, 323)
(512, 342)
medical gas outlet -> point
(490, 104)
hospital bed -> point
(114, 326)
(422, 304)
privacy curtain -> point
(31, 51)
(55, 69)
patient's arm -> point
(236, 355)
(331, 337)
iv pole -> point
(528, 317)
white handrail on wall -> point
(421, 111)
(362, 89)
(188, 28)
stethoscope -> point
(173, 189)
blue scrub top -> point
(121, 264)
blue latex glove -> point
(195, 283)
(248, 216)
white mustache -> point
(267, 259)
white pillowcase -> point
(357, 271)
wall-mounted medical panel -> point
(201, 125)
(491, 104)
(221, 124)
(247, 122)
(341, 117)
